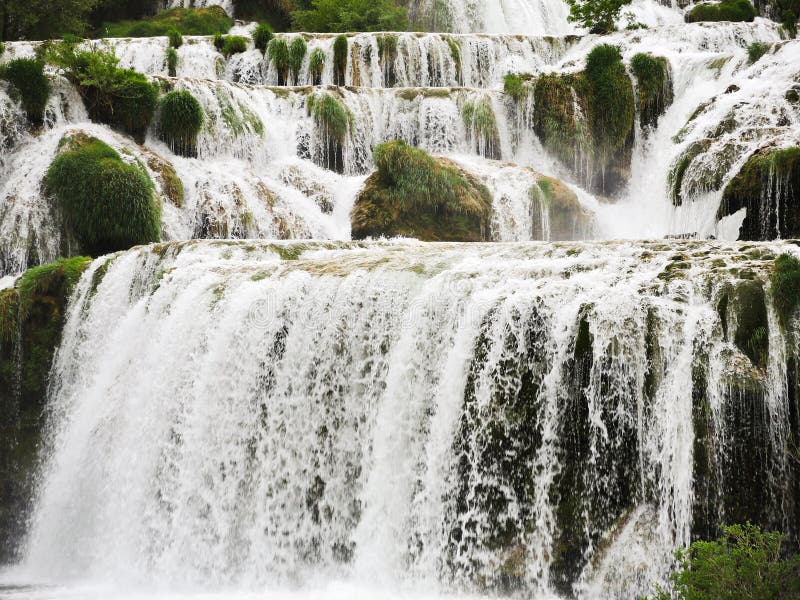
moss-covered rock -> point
(28, 78)
(677, 173)
(768, 187)
(653, 87)
(415, 195)
(567, 218)
(108, 204)
(727, 10)
(31, 319)
(340, 48)
(180, 120)
(785, 287)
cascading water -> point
(337, 419)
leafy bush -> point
(262, 36)
(351, 15)
(278, 52)
(743, 563)
(175, 38)
(27, 76)
(727, 10)
(233, 44)
(756, 50)
(297, 53)
(598, 16)
(172, 62)
(340, 49)
(108, 205)
(316, 65)
(121, 98)
(180, 121)
(186, 21)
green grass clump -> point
(233, 44)
(175, 38)
(340, 49)
(172, 62)
(334, 121)
(727, 10)
(785, 280)
(316, 66)
(517, 86)
(121, 98)
(218, 41)
(413, 194)
(186, 21)
(262, 36)
(180, 121)
(654, 87)
(555, 119)
(297, 53)
(28, 78)
(278, 52)
(46, 280)
(108, 205)
(756, 50)
(481, 124)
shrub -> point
(414, 194)
(186, 21)
(180, 121)
(175, 38)
(262, 36)
(743, 563)
(108, 205)
(172, 62)
(756, 50)
(351, 15)
(28, 78)
(654, 86)
(278, 52)
(297, 53)
(316, 65)
(727, 10)
(598, 16)
(233, 44)
(340, 49)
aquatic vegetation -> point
(653, 86)
(297, 53)
(185, 21)
(278, 52)
(180, 120)
(316, 65)
(727, 10)
(28, 78)
(262, 36)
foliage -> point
(351, 15)
(276, 13)
(481, 124)
(172, 62)
(727, 10)
(180, 121)
(332, 116)
(262, 36)
(340, 49)
(611, 98)
(186, 21)
(108, 205)
(278, 52)
(756, 50)
(43, 19)
(785, 280)
(316, 65)
(517, 86)
(414, 194)
(233, 44)
(744, 562)
(175, 38)
(654, 86)
(218, 41)
(297, 53)
(28, 78)
(118, 97)
(598, 16)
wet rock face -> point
(768, 188)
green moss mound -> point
(186, 21)
(727, 10)
(262, 36)
(28, 78)
(180, 120)
(108, 205)
(31, 320)
(175, 38)
(479, 119)
(517, 87)
(653, 86)
(756, 50)
(316, 65)
(568, 220)
(340, 49)
(413, 194)
(785, 281)
(334, 121)
(278, 52)
(297, 54)
(768, 186)
(121, 98)
(233, 44)
(172, 62)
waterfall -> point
(239, 414)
